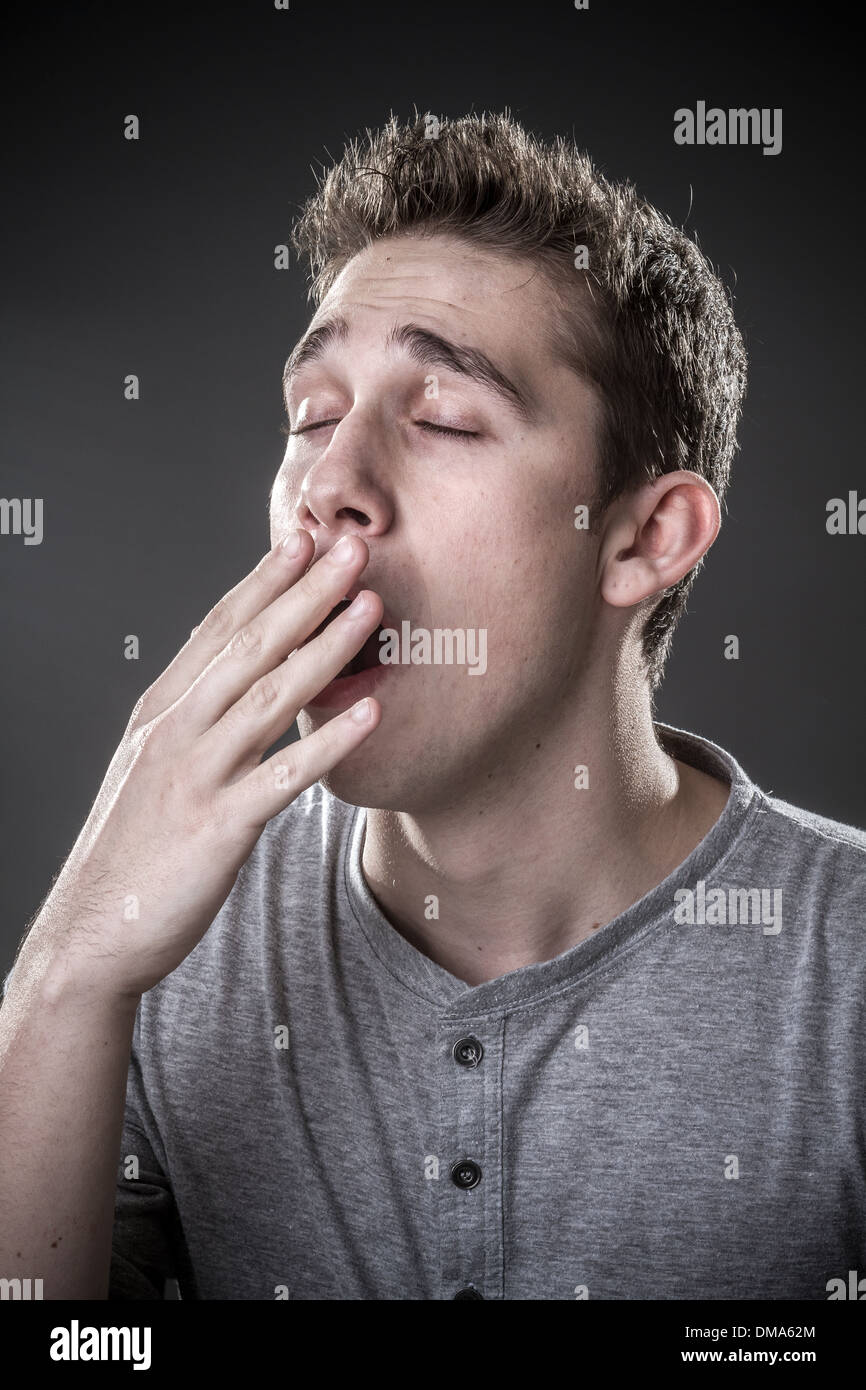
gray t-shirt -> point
(673, 1108)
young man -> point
(506, 991)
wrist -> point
(51, 973)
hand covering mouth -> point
(368, 655)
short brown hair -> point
(649, 322)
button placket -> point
(470, 1205)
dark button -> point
(466, 1173)
(468, 1292)
(468, 1052)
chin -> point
(368, 776)
(416, 761)
(385, 778)
(370, 787)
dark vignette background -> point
(156, 258)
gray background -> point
(156, 258)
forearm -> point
(64, 1056)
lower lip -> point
(347, 690)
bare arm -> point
(64, 1055)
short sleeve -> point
(147, 1246)
(144, 1217)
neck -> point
(523, 864)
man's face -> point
(464, 532)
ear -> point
(655, 535)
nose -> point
(340, 491)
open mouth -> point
(363, 660)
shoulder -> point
(815, 834)
(769, 826)
(822, 865)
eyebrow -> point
(428, 350)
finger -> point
(264, 713)
(274, 572)
(274, 784)
(264, 643)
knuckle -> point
(143, 709)
(148, 736)
(247, 641)
(220, 620)
(283, 774)
(140, 740)
(138, 716)
(263, 694)
(143, 713)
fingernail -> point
(360, 606)
(362, 711)
(342, 551)
(291, 544)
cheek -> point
(541, 581)
(281, 503)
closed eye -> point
(320, 424)
(446, 429)
(422, 424)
